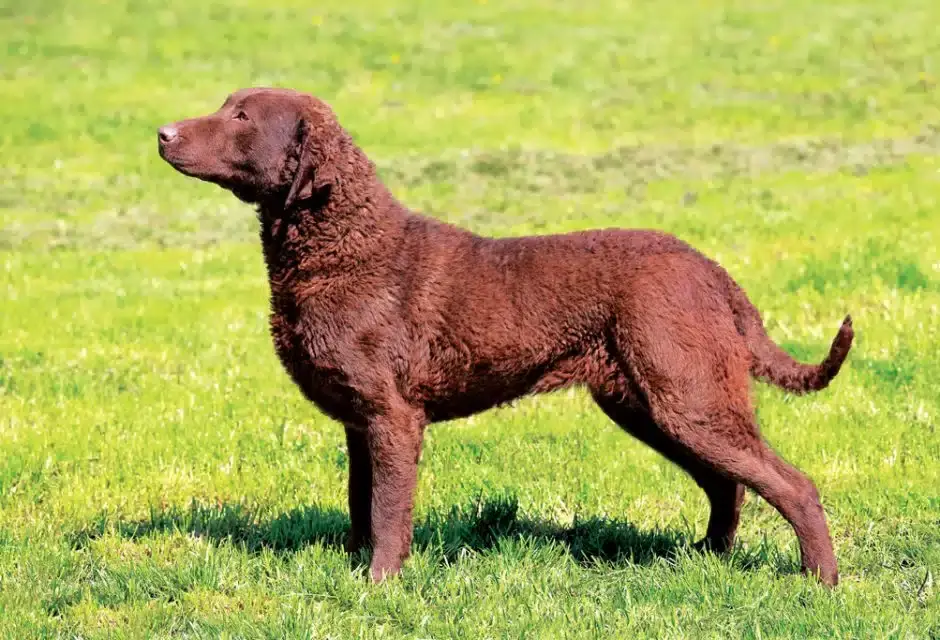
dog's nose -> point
(167, 134)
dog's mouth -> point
(185, 165)
(193, 162)
(173, 152)
(194, 169)
(175, 159)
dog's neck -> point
(351, 224)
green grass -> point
(160, 475)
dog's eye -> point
(241, 115)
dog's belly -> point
(488, 385)
(476, 396)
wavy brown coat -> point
(388, 320)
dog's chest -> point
(307, 351)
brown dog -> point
(389, 321)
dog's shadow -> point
(482, 525)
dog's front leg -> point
(394, 446)
(360, 490)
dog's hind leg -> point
(728, 443)
(724, 494)
(692, 371)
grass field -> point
(160, 475)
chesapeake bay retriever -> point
(388, 320)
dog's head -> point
(262, 145)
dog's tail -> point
(772, 364)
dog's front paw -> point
(718, 546)
(385, 565)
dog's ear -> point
(315, 167)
